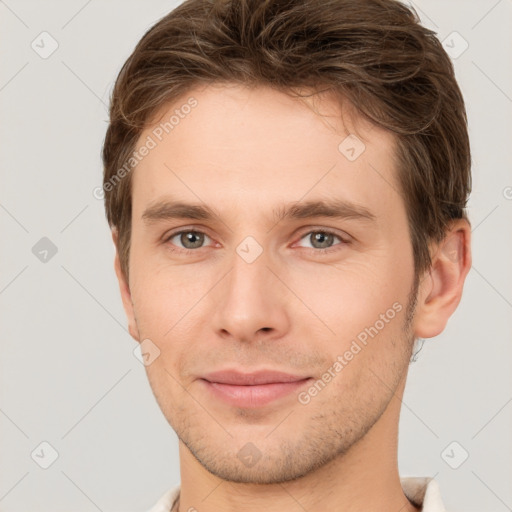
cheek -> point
(364, 306)
(349, 297)
(165, 296)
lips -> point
(251, 390)
(251, 379)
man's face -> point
(245, 291)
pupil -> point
(319, 237)
(192, 238)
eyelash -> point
(316, 251)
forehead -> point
(245, 147)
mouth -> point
(252, 390)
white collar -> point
(422, 491)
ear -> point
(125, 292)
(440, 291)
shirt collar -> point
(422, 491)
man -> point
(286, 183)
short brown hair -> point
(374, 53)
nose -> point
(251, 302)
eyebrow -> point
(332, 208)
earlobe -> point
(440, 291)
(124, 288)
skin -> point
(244, 152)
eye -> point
(322, 240)
(189, 239)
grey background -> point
(68, 375)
